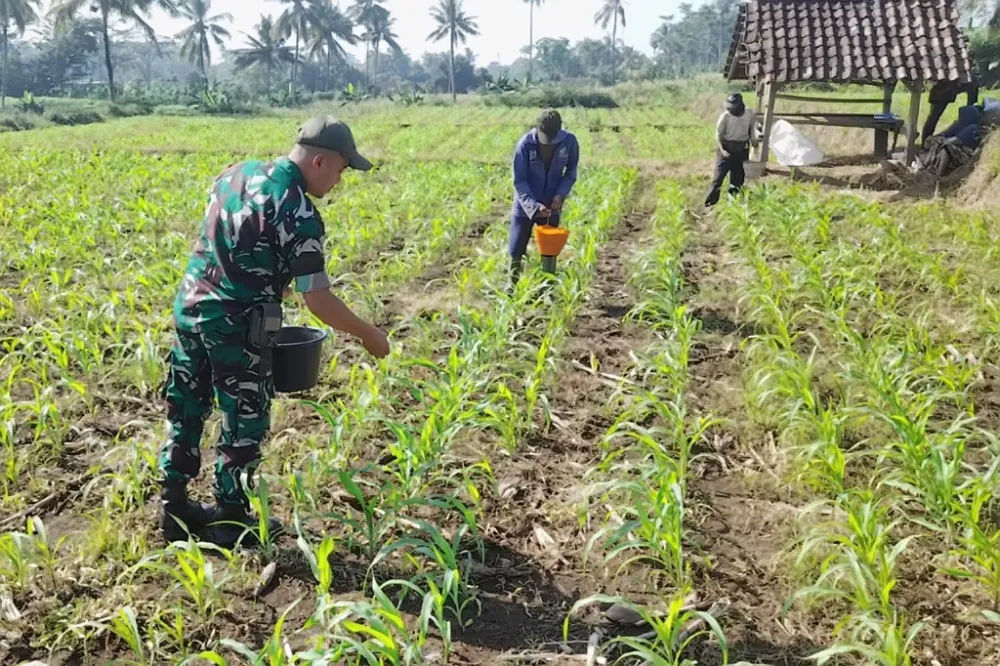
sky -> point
(503, 24)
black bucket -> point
(296, 358)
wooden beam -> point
(864, 120)
(916, 88)
(830, 100)
(771, 90)
(887, 90)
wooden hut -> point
(877, 42)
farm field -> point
(769, 432)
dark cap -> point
(328, 133)
(548, 123)
(734, 101)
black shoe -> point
(515, 275)
(179, 515)
(232, 523)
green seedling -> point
(671, 634)
(188, 564)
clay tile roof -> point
(848, 41)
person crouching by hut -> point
(736, 129)
(941, 96)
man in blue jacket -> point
(545, 165)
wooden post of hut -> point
(770, 94)
(882, 138)
(913, 123)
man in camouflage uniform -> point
(260, 233)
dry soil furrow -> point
(739, 524)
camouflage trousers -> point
(220, 365)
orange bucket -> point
(550, 240)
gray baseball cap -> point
(328, 133)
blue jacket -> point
(533, 187)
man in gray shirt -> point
(735, 130)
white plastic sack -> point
(792, 147)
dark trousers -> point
(521, 230)
(937, 110)
(731, 166)
(966, 128)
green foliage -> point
(76, 118)
(670, 639)
(177, 110)
(555, 97)
(219, 100)
(130, 109)
(408, 97)
(16, 123)
(352, 94)
(500, 84)
(984, 49)
(28, 104)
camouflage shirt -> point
(260, 232)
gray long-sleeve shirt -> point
(733, 128)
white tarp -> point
(793, 148)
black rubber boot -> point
(177, 509)
(232, 523)
(515, 274)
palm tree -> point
(203, 28)
(454, 23)
(611, 10)
(364, 13)
(21, 12)
(297, 18)
(377, 31)
(659, 38)
(531, 35)
(130, 11)
(330, 27)
(266, 50)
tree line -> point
(305, 46)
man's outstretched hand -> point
(334, 313)
(376, 342)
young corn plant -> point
(979, 549)
(671, 633)
(275, 652)
(447, 559)
(189, 565)
(877, 640)
(124, 624)
(371, 632)
(16, 559)
(260, 501)
(376, 523)
(143, 648)
(318, 558)
(650, 527)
